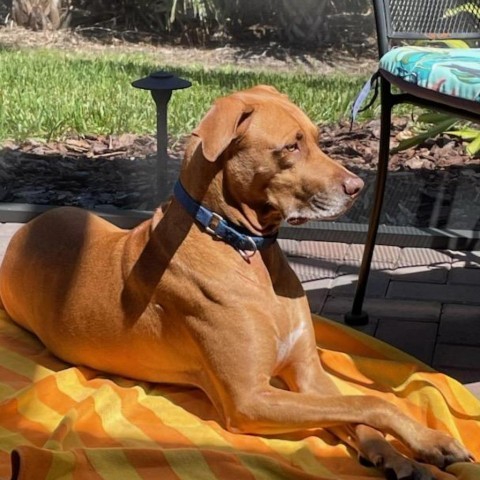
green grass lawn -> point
(48, 94)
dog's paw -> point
(441, 450)
(410, 471)
(398, 467)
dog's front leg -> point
(268, 410)
(370, 444)
(252, 405)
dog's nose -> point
(352, 185)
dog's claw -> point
(398, 468)
(443, 450)
(405, 469)
(415, 474)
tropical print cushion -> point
(452, 71)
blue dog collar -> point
(239, 238)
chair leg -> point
(357, 316)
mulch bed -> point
(80, 171)
(357, 147)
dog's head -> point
(272, 167)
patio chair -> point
(444, 79)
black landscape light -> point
(161, 85)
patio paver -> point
(432, 291)
(464, 275)
(437, 273)
(413, 337)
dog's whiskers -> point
(319, 204)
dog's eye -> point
(292, 147)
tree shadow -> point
(51, 178)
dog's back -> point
(40, 267)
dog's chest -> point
(287, 342)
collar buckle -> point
(250, 252)
(219, 228)
(213, 225)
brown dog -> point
(180, 300)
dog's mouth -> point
(319, 211)
(297, 220)
(320, 207)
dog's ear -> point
(227, 120)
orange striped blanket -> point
(64, 422)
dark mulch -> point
(81, 171)
(357, 147)
(436, 185)
(423, 189)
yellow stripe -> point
(112, 464)
(108, 406)
(22, 365)
(435, 406)
(188, 425)
(189, 464)
(264, 468)
(36, 411)
(469, 403)
(198, 432)
(10, 440)
(298, 453)
(63, 465)
(428, 394)
(465, 471)
(346, 388)
(6, 391)
(69, 384)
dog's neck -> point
(204, 181)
